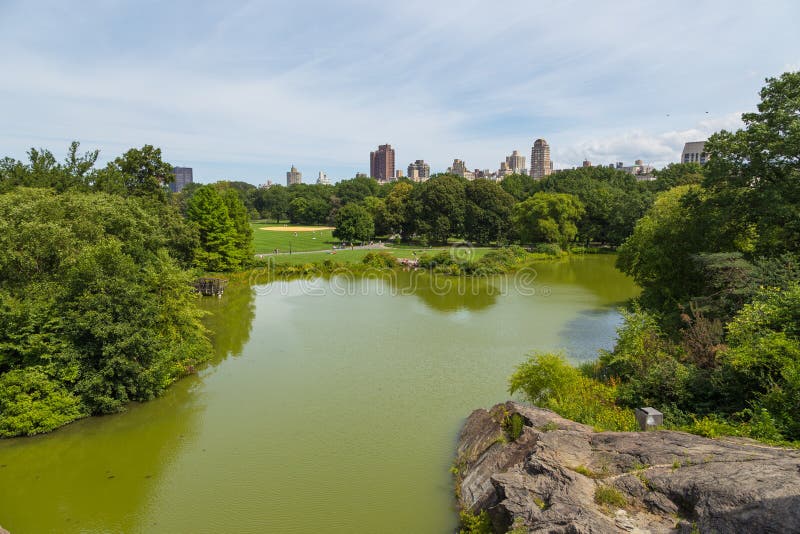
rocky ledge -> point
(561, 476)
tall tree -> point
(549, 217)
(440, 208)
(354, 223)
(218, 238)
(488, 212)
(753, 174)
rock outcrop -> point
(561, 476)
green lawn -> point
(355, 256)
(265, 241)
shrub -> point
(32, 403)
(513, 425)
(379, 260)
(475, 523)
(549, 381)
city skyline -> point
(245, 89)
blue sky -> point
(243, 90)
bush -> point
(379, 260)
(551, 249)
(475, 523)
(31, 403)
(549, 381)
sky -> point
(243, 90)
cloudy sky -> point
(242, 90)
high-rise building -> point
(361, 175)
(694, 152)
(183, 177)
(294, 176)
(516, 163)
(459, 168)
(419, 171)
(322, 179)
(541, 165)
(381, 163)
(587, 163)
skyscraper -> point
(419, 171)
(516, 163)
(294, 176)
(381, 163)
(540, 160)
(183, 176)
(322, 179)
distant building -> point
(516, 163)
(541, 165)
(637, 169)
(294, 176)
(381, 163)
(266, 185)
(361, 175)
(398, 174)
(322, 179)
(587, 163)
(419, 171)
(459, 168)
(183, 177)
(694, 152)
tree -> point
(658, 255)
(440, 207)
(353, 223)
(753, 174)
(398, 206)
(94, 312)
(272, 202)
(377, 210)
(138, 172)
(356, 189)
(218, 238)
(676, 174)
(549, 217)
(488, 212)
(237, 212)
(519, 186)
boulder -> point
(561, 476)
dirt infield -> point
(296, 228)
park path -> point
(373, 246)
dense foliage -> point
(94, 311)
(714, 341)
(96, 303)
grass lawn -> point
(266, 241)
(315, 245)
(355, 256)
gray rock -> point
(665, 481)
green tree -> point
(676, 174)
(356, 189)
(94, 312)
(138, 172)
(217, 249)
(354, 223)
(439, 206)
(519, 186)
(237, 212)
(398, 207)
(272, 202)
(753, 174)
(549, 217)
(488, 212)
(658, 255)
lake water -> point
(331, 406)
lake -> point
(332, 405)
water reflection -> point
(230, 320)
(97, 474)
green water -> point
(332, 406)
